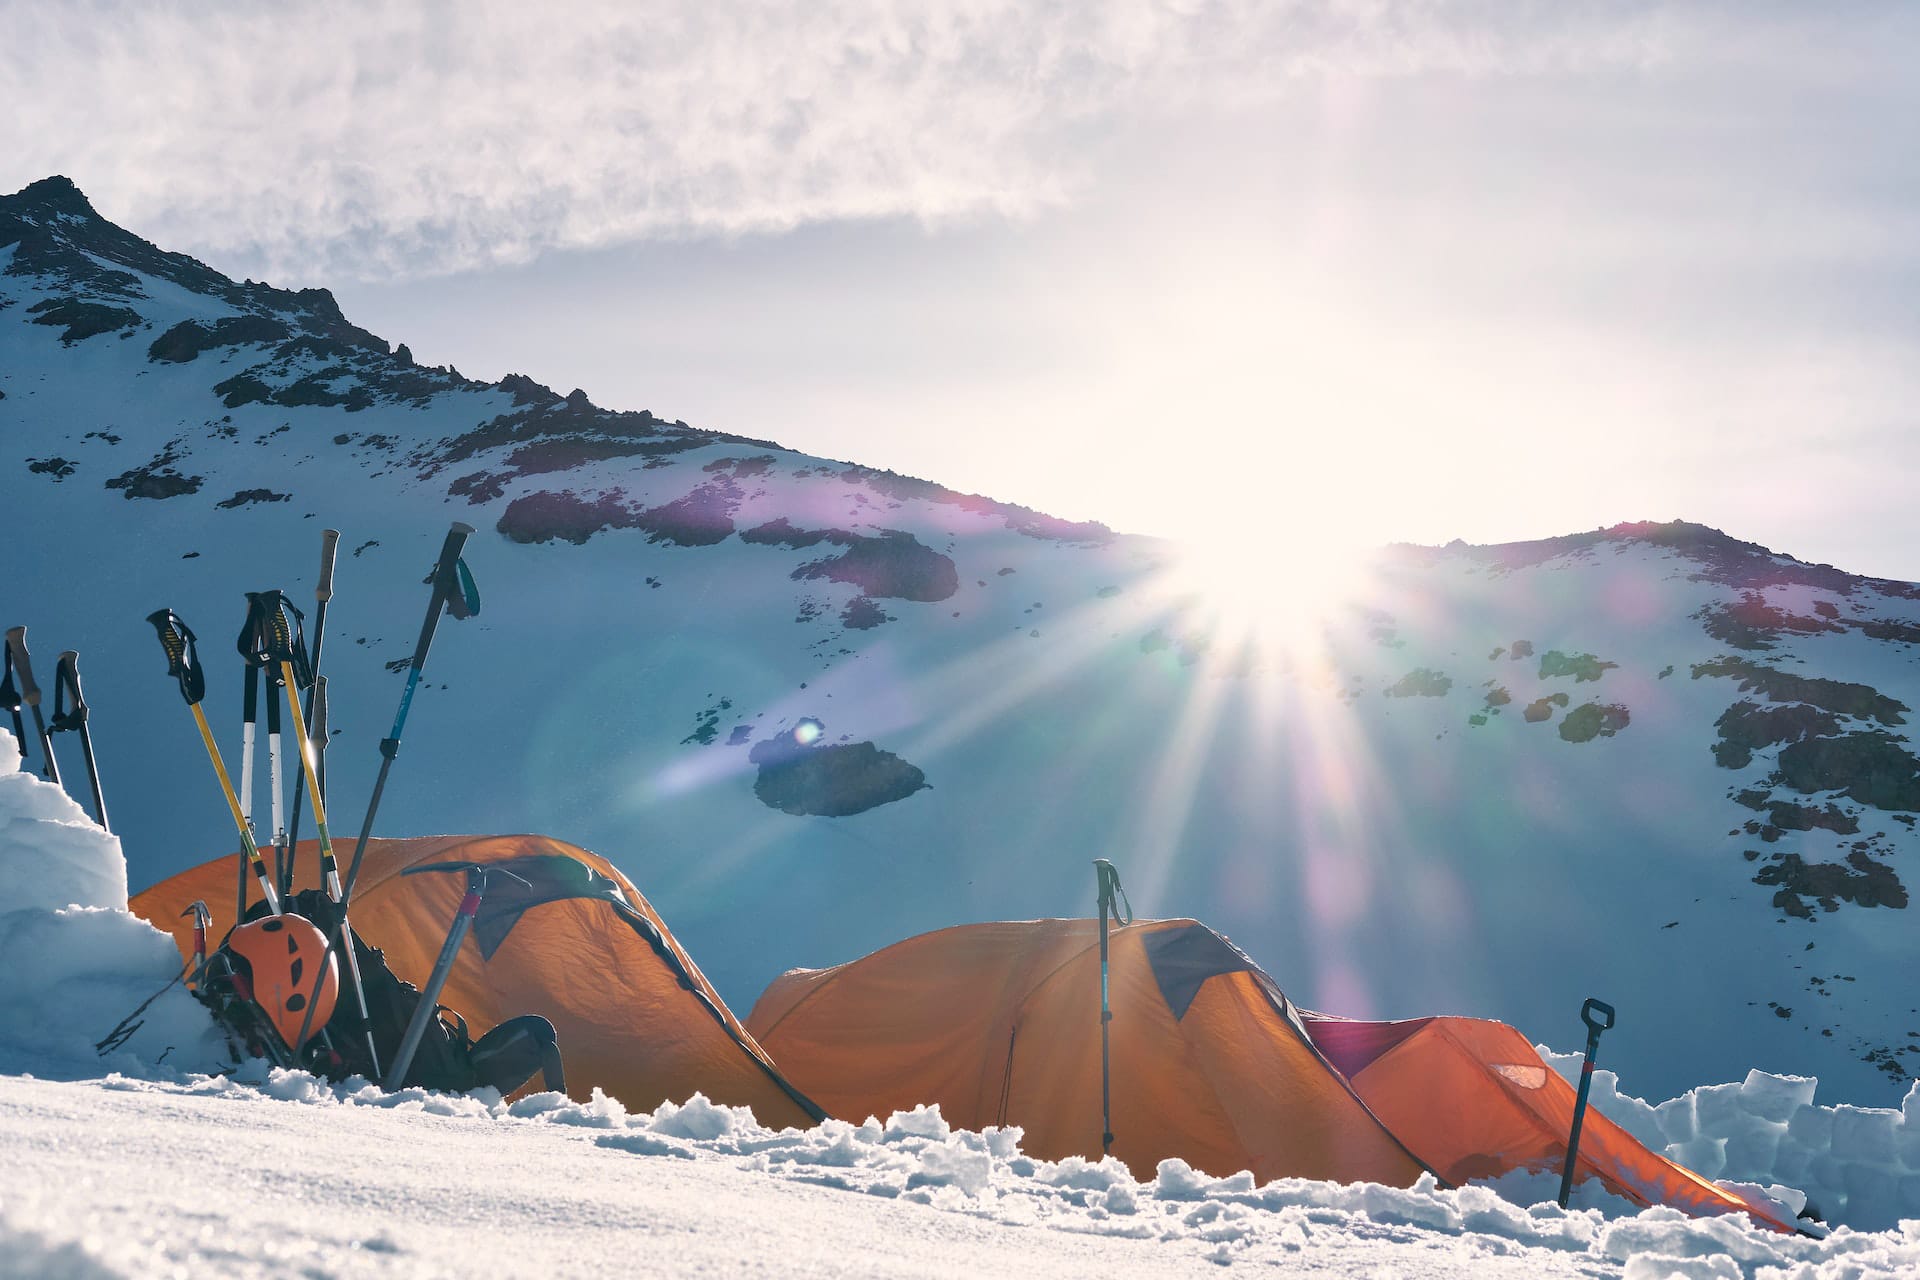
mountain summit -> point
(812, 707)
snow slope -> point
(215, 1177)
(812, 708)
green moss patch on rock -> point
(1581, 666)
(1860, 880)
(1863, 702)
(1592, 720)
(1421, 682)
(1542, 708)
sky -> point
(1302, 274)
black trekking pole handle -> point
(30, 693)
(1591, 1014)
(183, 654)
(70, 713)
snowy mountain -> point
(812, 708)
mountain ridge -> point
(812, 707)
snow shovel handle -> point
(1594, 1026)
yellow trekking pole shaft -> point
(330, 871)
(251, 850)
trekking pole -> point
(1108, 882)
(316, 699)
(183, 664)
(423, 1012)
(453, 592)
(1594, 1028)
(282, 648)
(202, 919)
(10, 698)
(254, 645)
(17, 650)
(66, 685)
(249, 716)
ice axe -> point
(1591, 1013)
(477, 874)
(202, 919)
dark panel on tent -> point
(1183, 959)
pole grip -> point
(329, 547)
(17, 643)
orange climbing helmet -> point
(280, 955)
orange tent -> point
(634, 1014)
(1505, 1109)
(1000, 1025)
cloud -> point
(364, 139)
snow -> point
(137, 1177)
(75, 960)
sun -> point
(1240, 595)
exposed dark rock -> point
(544, 516)
(186, 340)
(833, 781)
(1751, 623)
(1747, 726)
(1520, 649)
(83, 320)
(526, 391)
(58, 468)
(1421, 682)
(1863, 702)
(242, 389)
(862, 614)
(245, 496)
(479, 486)
(696, 519)
(1593, 720)
(1498, 696)
(1873, 768)
(157, 478)
(1788, 816)
(1860, 880)
(890, 565)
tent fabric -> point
(636, 1017)
(1474, 1099)
(1000, 1025)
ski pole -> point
(66, 685)
(1588, 1012)
(183, 664)
(202, 918)
(316, 698)
(423, 1012)
(10, 699)
(1107, 881)
(455, 593)
(17, 649)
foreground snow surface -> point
(214, 1177)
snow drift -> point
(76, 961)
